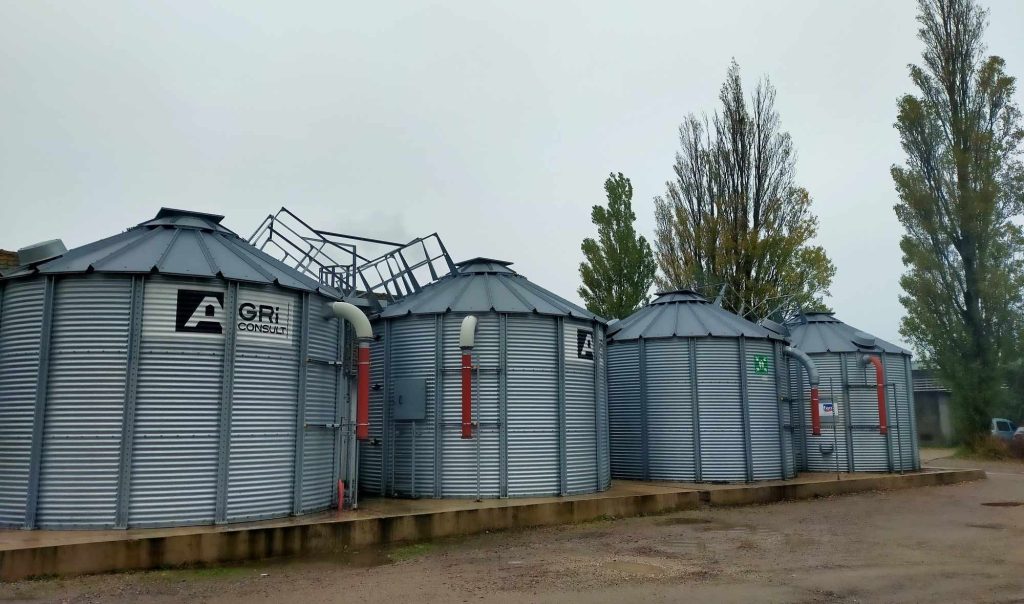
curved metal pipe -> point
(364, 335)
(813, 379)
(883, 419)
(467, 339)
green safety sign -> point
(761, 364)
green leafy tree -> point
(734, 215)
(959, 190)
(619, 266)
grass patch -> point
(409, 552)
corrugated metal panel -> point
(903, 435)
(624, 412)
(721, 414)
(533, 456)
(264, 404)
(787, 407)
(833, 436)
(669, 410)
(174, 465)
(763, 411)
(870, 449)
(319, 485)
(84, 403)
(413, 345)
(580, 412)
(21, 308)
(371, 453)
(463, 462)
(604, 444)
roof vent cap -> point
(863, 340)
(39, 252)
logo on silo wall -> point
(585, 344)
(260, 315)
(199, 311)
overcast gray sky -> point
(493, 123)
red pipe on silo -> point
(883, 420)
(467, 394)
(815, 412)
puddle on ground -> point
(681, 521)
(1004, 504)
(992, 526)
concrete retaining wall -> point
(220, 546)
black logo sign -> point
(199, 311)
(585, 344)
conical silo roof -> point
(817, 332)
(683, 314)
(485, 285)
(179, 243)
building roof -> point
(685, 314)
(179, 243)
(485, 285)
(822, 332)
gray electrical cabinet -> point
(410, 399)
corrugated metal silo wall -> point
(471, 466)
(21, 313)
(852, 387)
(533, 414)
(326, 405)
(604, 468)
(670, 453)
(763, 416)
(175, 461)
(625, 416)
(787, 407)
(723, 452)
(371, 453)
(84, 410)
(521, 436)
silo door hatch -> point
(410, 399)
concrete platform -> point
(26, 554)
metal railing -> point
(333, 259)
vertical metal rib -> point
(562, 426)
(778, 408)
(745, 401)
(847, 411)
(36, 454)
(227, 388)
(644, 448)
(502, 406)
(438, 402)
(300, 408)
(694, 397)
(130, 396)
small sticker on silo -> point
(585, 344)
(761, 365)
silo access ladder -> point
(334, 260)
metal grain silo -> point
(696, 394)
(532, 387)
(871, 429)
(168, 375)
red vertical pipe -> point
(883, 420)
(467, 394)
(363, 393)
(815, 412)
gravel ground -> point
(936, 544)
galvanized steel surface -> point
(683, 314)
(21, 308)
(517, 446)
(181, 243)
(484, 285)
(677, 410)
(823, 332)
(174, 391)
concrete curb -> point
(210, 548)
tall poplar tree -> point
(734, 215)
(618, 267)
(959, 190)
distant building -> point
(931, 402)
(8, 260)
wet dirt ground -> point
(958, 543)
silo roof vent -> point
(772, 326)
(40, 252)
(863, 340)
